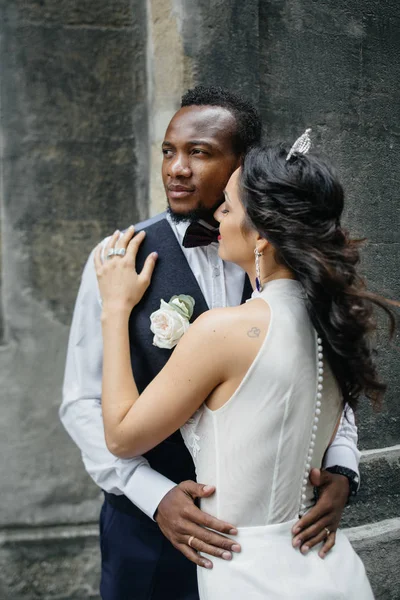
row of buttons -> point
(317, 413)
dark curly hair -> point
(297, 205)
(248, 121)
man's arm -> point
(343, 451)
(172, 506)
(333, 489)
(80, 410)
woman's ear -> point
(262, 244)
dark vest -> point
(172, 276)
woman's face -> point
(235, 243)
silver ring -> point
(116, 252)
(328, 533)
(190, 540)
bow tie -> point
(199, 235)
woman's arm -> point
(134, 424)
(81, 411)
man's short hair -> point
(248, 121)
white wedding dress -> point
(258, 449)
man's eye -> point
(198, 151)
(167, 152)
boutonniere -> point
(171, 320)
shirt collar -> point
(181, 227)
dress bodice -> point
(259, 446)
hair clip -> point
(301, 145)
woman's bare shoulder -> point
(234, 322)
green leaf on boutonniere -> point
(183, 304)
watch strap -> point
(352, 476)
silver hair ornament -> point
(301, 145)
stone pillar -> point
(74, 166)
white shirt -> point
(80, 411)
(221, 283)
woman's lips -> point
(219, 238)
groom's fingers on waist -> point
(320, 536)
(313, 516)
(206, 520)
(201, 546)
(193, 556)
(329, 543)
(313, 534)
(210, 538)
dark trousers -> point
(139, 563)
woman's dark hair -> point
(297, 205)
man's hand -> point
(311, 529)
(181, 521)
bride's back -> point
(254, 448)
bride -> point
(257, 390)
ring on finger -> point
(110, 253)
(328, 532)
(190, 541)
(119, 252)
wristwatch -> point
(352, 476)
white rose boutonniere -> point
(171, 320)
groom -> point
(149, 513)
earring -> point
(258, 272)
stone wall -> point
(334, 68)
(86, 91)
(74, 165)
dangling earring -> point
(258, 272)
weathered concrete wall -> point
(378, 546)
(171, 72)
(74, 165)
(197, 42)
(334, 66)
(222, 39)
(86, 91)
(59, 563)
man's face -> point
(198, 160)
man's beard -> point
(201, 213)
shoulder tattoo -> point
(254, 332)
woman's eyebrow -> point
(227, 197)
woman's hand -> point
(121, 287)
